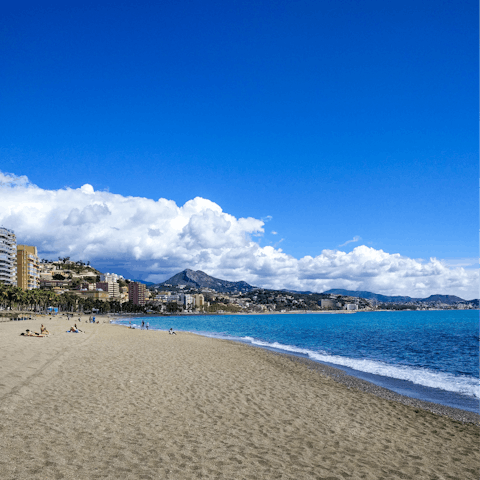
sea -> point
(428, 355)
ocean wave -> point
(462, 384)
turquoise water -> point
(431, 355)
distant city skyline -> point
(302, 145)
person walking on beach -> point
(143, 324)
(147, 325)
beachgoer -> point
(147, 325)
(171, 332)
(143, 324)
(44, 331)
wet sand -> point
(129, 404)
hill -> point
(447, 299)
(371, 296)
(198, 279)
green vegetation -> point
(223, 307)
(39, 300)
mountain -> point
(371, 296)
(447, 299)
(199, 279)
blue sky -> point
(329, 121)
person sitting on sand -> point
(73, 329)
(171, 332)
(44, 331)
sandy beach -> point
(118, 403)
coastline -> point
(415, 386)
(121, 403)
(351, 381)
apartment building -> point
(110, 277)
(199, 300)
(136, 293)
(8, 254)
(113, 288)
(28, 276)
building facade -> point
(199, 301)
(136, 293)
(28, 275)
(94, 294)
(110, 277)
(8, 257)
(113, 288)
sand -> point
(129, 404)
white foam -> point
(420, 376)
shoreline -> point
(351, 381)
(445, 402)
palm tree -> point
(16, 296)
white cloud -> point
(471, 262)
(159, 238)
(274, 232)
(355, 239)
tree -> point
(173, 307)
(16, 296)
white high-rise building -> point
(8, 257)
(110, 277)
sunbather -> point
(29, 333)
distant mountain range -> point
(447, 299)
(199, 279)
